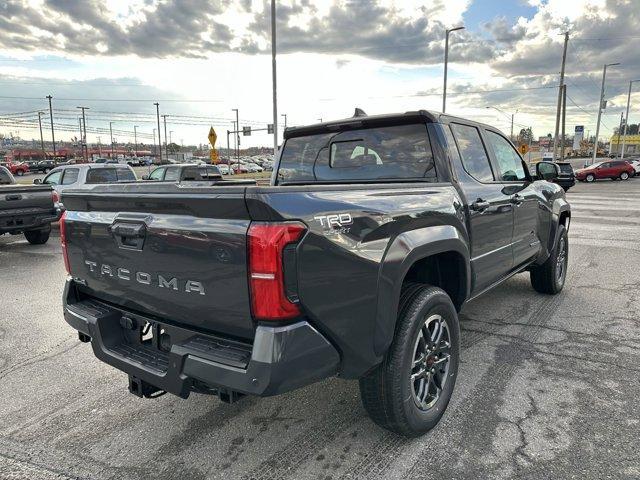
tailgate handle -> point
(13, 197)
(129, 235)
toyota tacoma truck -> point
(354, 262)
(27, 209)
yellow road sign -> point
(212, 137)
(524, 149)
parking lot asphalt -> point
(548, 386)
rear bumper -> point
(22, 222)
(281, 358)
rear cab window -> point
(368, 154)
(110, 175)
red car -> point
(17, 169)
(615, 169)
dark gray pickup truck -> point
(354, 262)
(27, 209)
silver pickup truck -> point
(28, 209)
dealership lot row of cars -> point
(242, 164)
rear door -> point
(517, 184)
(490, 209)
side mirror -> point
(145, 177)
(37, 181)
(547, 171)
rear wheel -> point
(409, 392)
(624, 176)
(19, 173)
(551, 275)
(38, 237)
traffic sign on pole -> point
(246, 131)
(270, 128)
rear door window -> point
(125, 175)
(396, 152)
(474, 156)
(102, 175)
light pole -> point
(604, 76)
(274, 78)
(626, 121)
(111, 135)
(446, 64)
(159, 136)
(44, 154)
(236, 140)
(53, 135)
(166, 152)
(84, 134)
(135, 139)
(170, 137)
(508, 116)
(285, 119)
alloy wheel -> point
(430, 366)
(561, 261)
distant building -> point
(631, 147)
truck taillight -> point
(266, 269)
(63, 241)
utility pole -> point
(600, 105)
(564, 116)
(170, 137)
(159, 140)
(135, 139)
(44, 154)
(111, 135)
(626, 123)
(446, 65)
(564, 61)
(53, 135)
(619, 132)
(274, 77)
(166, 152)
(85, 146)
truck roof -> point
(362, 120)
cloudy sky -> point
(201, 58)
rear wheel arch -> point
(408, 259)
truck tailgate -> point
(172, 252)
(28, 199)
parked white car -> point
(636, 166)
(73, 176)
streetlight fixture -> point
(626, 119)
(446, 63)
(604, 76)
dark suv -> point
(567, 178)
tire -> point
(624, 176)
(590, 178)
(19, 173)
(38, 237)
(551, 275)
(388, 393)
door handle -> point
(479, 205)
(517, 199)
(13, 197)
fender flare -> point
(406, 249)
(560, 206)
